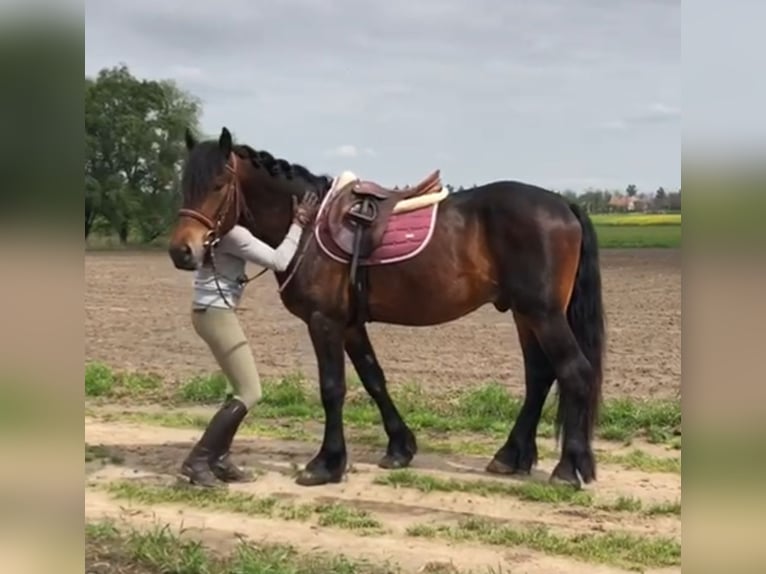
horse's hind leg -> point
(401, 441)
(577, 381)
(519, 453)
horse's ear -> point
(190, 141)
(224, 142)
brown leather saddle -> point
(358, 214)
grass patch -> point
(639, 460)
(341, 516)
(527, 491)
(99, 380)
(665, 509)
(622, 419)
(335, 515)
(638, 236)
(102, 382)
(204, 390)
(614, 548)
(160, 551)
(632, 504)
(489, 409)
(623, 504)
(95, 453)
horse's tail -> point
(586, 317)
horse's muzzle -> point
(183, 257)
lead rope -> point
(298, 261)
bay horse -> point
(520, 247)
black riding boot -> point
(208, 458)
(223, 467)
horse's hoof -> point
(314, 478)
(560, 477)
(497, 467)
(392, 462)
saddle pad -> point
(406, 235)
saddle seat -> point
(430, 184)
(359, 212)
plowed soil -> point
(137, 317)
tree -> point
(134, 144)
(631, 190)
(660, 198)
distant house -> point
(627, 203)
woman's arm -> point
(241, 243)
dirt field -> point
(137, 317)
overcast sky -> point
(561, 93)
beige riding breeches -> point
(221, 330)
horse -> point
(517, 246)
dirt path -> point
(137, 318)
(149, 453)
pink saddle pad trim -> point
(406, 235)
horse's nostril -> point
(182, 256)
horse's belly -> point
(423, 295)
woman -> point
(216, 294)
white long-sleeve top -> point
(232, 253)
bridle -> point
(232, 197)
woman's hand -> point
(306, 209)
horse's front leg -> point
(401, 442)
(329, 464)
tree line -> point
(134, 137)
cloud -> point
(349, 150)
(416, 82)
(656, 113)
(182, 72)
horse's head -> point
(212, 198)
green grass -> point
(203, 390)
(633, 230)
(335, 515)
(102, 382)
(349, 518)
(489, 409)
(613, 548)
(94, 453)
(528, 491)
(639, 460)
(638, 236)
(161, 551)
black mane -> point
(206, 161)
(278, 167)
